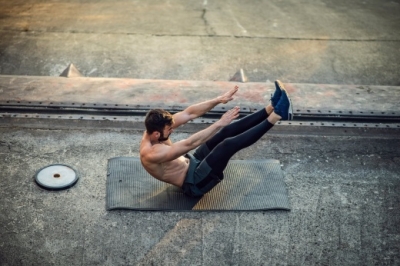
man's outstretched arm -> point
(165, 153)
(199, 109)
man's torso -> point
(172, 172)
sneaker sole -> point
(290, 111)
(279, 85)
(290, 116)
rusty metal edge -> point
(49, 105)
(308, 129)
(207, 121)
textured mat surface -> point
(248, 185)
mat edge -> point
(234, 160)
(191, 210)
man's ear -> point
(155, 134)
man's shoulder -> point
(151, 153)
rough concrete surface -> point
(318, 41)
(344, 192)
(344, 184)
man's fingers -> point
(234, 90)
(235, 111)
(231, 114)
(228, 96)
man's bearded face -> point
(167, 130)
(162, 138)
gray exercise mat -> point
(248, 185)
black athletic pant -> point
(234, 137)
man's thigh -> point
(201, 152)
(201, 181)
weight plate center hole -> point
(56, 175)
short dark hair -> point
(157, 119)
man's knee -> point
(229, 145)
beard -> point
(162, 138)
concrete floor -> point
(344, 190)
(317, 41)
(344, 184)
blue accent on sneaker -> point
(284, 107)
(277, 94)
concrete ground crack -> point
(210, 33)
(209, 29)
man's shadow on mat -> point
(171, 198)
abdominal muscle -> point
(173, 172)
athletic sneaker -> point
(284, 107)
(277, 94)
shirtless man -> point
(198, 173)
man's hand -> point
(199, 109)
(229, 116)
(228, 96)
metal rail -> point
(126, 112)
